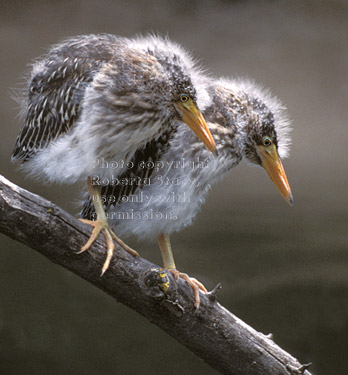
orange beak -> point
(274, 167)
(195, 120)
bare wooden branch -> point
(214, 334)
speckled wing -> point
(143, 165)
(56, 90)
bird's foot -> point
(194, 284)
(103, 227)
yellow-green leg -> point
(169, 264)
(101, 225)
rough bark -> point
(213, 333)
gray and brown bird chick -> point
(103, 97)
(167, 185)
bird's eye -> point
(266, 141)
(184, 98)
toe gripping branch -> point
(157, 284)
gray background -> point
(283, 269)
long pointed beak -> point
(274, 167)
(195, 120)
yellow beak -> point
(274, 167)
(195, 120)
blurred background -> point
(283, 269)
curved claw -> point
(109, 250)
(194, 284)
(123, 245)
(97, 228)
(109, 235)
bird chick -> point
(167, 185)
(103, 97)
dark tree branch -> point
(214, 334)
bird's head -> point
(263, 130)
(171, 78)
(184, 100)
(261, 147)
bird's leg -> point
(168, 262)
(101, 225)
